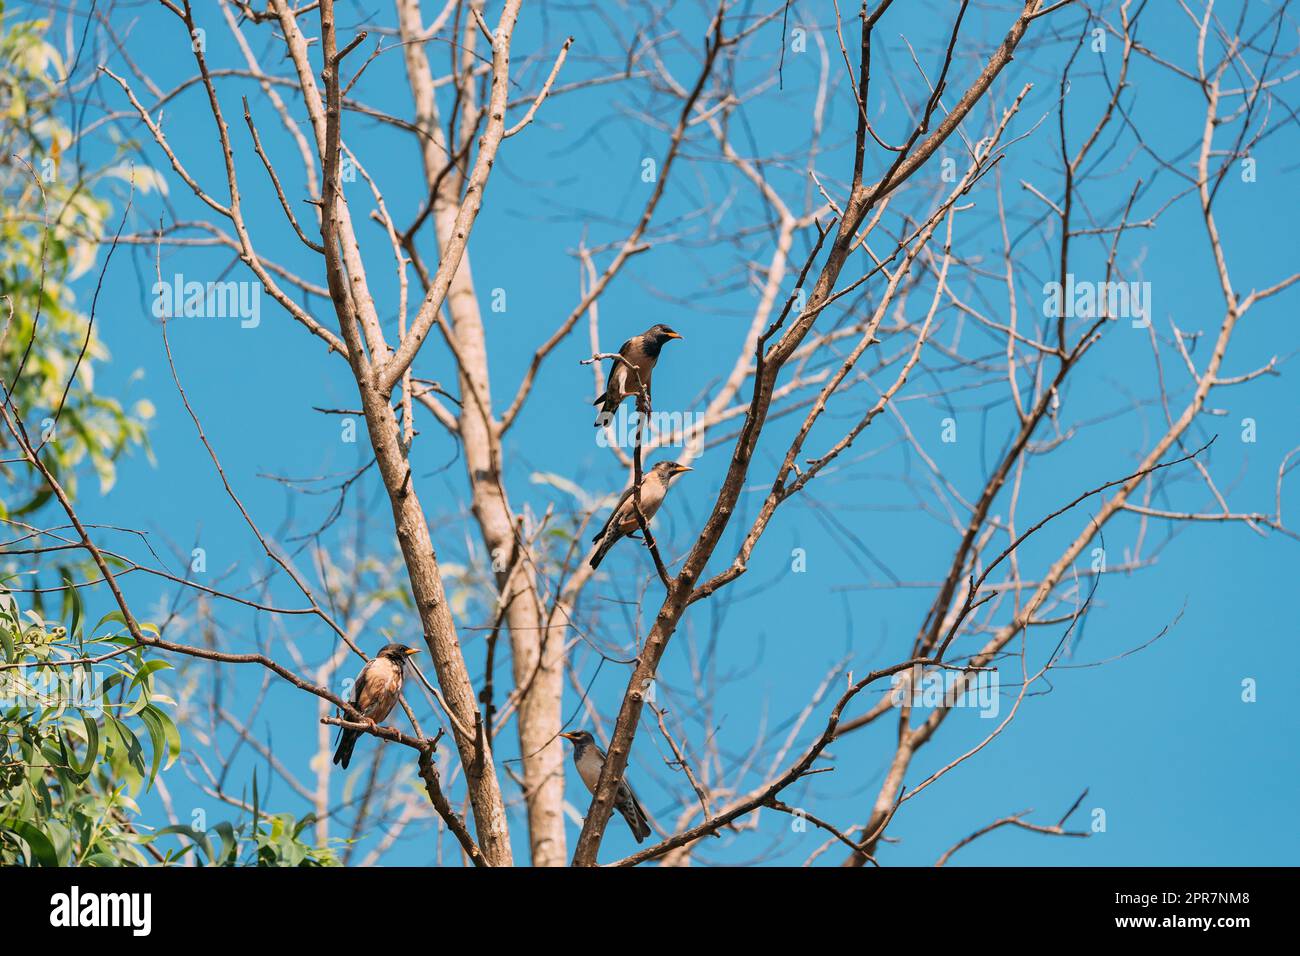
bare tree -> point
(871, 297)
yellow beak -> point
(411, 651)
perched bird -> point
(375, 692)
(641, 352)
(590, 761)
(622, 520)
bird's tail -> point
(346, 742)
(636, 819)
(606, 543)
(608, 405)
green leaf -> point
(130, 743)
(115, 616)
(72, 596)
(41, 847)
(229, 844)
(198, 837)
(158, 739)
(92, 747)
(173, 735)
(148, 668)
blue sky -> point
(1184, 770)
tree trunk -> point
(537, 660)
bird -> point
(590, 761)
(641, 352)
(622, 520)
(375, 692)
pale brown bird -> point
(376, 691)
(590, 761)
(641, 352)
(622, 520)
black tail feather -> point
(346, 743)
(608, 406)
(636, 819)
(603, 550)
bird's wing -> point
(610, 520)
(589, 768)
(625, 795)
(363, 679)
(357, 689)
(625, 350)
(380, 684)
(643, 362)
(624, 788)
(640, 360)
(640, 810)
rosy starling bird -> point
(641, 352)
(622, 520)
(375, 692)
(590, 761)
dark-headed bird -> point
(640, 352)
(376, 691)
(590, 761)
(622, 520)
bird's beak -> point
(569, 736)
(682, 468)
(412, 651)
(673, 335)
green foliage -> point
(271, 840)
(77, 741)
(83, 731)
(49, 236)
